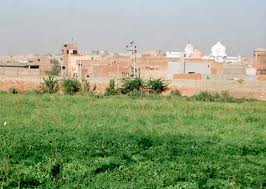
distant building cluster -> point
(189, 64)
(218, 54)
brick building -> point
(38, 66)
(85, 66)
(260, 61)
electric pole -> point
(133, 49)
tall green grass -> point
(61, 141)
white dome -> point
(219, 50)
(189, 50)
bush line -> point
(134, 88)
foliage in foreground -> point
(136, 87)
(216, 97)
(111, 90)
(55, 71)
(116, 142)
(50, 85)
(156, 86)
(130, 85)
(85, 87)
(176, 92)
(71, 86)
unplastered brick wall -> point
(262, 77)
(154, 70)
(195, 76)
(217, 68)
(151, 67)
(21, 86)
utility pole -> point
(133, 49)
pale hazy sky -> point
(42, 26)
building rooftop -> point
(16, 64)
(260, 50)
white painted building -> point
(189, 50)
(175, 54)
(233, 60)
(218, 52)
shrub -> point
(214, 97)
(110, 90)
(50, 85)
(94, 87)
(85, 87)
(156, 86)
(71, 86)
(130, 85)
(55, 69)
(176, 92)
(204, 96)
(135, 93)
(225, 96)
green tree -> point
(55, 69)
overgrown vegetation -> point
(214, 97)
(85, 87)
(50, 85)
(71, 86)
(55, 71)
(136, 87)
(156, 86)
(176, 92)
(111, 90)
(62, 141)
(130, 85)
(136, 94)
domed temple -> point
(218, 52)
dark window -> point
(191, 72)
(67, 51)
(34, 67)
(75, 52)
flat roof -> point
(260, 50)
(17, 64)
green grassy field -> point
(57, 141)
